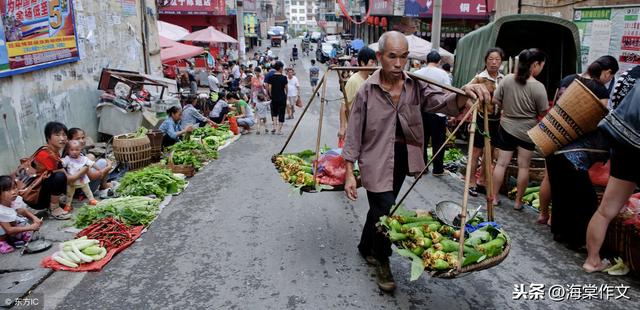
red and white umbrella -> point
(171, 31)
(211, 35)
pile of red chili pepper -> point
(110, 232)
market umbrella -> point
(210, 35)
(357, 44)
(165, 42)
(171, 31)
(179, 51)
(419, 48)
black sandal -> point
(473, 191)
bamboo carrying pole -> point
(322, 103)
(467, 180)
(488, 160)
(313, 96)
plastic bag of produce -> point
(332, 168)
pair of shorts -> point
(291, 100)
(507, 142)
(246, 121)
(624, 163)
(278, 109)
(478, 142)
(314, 82)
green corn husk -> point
(493, 247)
(435, 236)
(417, 224)
(418, 219)
(440, 265)
(446, 245)
(417, 250)
(446, 230)
(424, 242)
(415, 233)
(396, 236)
(394, 225)
(432, 227)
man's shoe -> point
(370, 259)
(384, 278)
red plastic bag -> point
(332, 169)
(599, 174)
(233, 125)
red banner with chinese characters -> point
(451, 8)
(194, 7)
(36, 34)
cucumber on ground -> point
(64, 261)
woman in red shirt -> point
(48, 159)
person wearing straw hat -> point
(574, 205)
(522, 99)
(385, 136)
(622, 127)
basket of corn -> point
(297, 170)
(434, 246)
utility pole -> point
(436, 23)
(240, 26)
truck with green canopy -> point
(557, 37)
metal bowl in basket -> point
(448, 211)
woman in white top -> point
(293, 92)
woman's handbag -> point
(29, 179)
(299, 103)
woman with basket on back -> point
(574, 205)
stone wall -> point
(108, 36)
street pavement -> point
(239, 238)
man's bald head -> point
(392, 38)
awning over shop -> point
(211, 35)
(419, 48)
(179, 51)
(171, 31)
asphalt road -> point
(238, 238)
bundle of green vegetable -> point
(79, 251)
(129, 210)
(150, 181)
(193, 153)
(531, 196)
(433, 245)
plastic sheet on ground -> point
(48, 261)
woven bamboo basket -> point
(485, 264)
(577, 112)
(135, 152)
(454, 273)
(537, 169)
(624, 241)
(187, 170)
(155, 138)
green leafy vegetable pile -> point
(193, 153)
(150, 181)
(452, 155)
(129, 210)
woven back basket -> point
(577, 112)
(136, 152)
(155, 139)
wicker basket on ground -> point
(133, 151)
(536, 173)
(155, 138)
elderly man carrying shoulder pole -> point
(385, 136)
